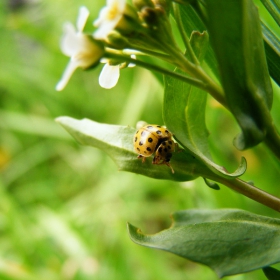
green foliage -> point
(272, 48)
(229, 241)
(273, 8)
(271, 273)
(181, 117)
(191, 22)
(240, 53)
(117, 142)
(64, 206)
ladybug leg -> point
(159, 161)
(156, 160)
(143, 158)
(168, 164)
(177, 148)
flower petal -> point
(108, 18)
(69, 43)
(105, 28)
(109, 76)
(71, 67)
(82, 18)
(133, 56)
(104, 60)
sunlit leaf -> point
(229, 241)
(235, 33)
(273, 7)
(184, 114)
(272, 48)
(117, 142)
(192, 22)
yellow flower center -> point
(113, 11)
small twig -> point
(252, 192)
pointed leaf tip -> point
(271, 273)
(117, 142)
(229, 241)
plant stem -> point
(198, 72)
(186, 79)
(252, 192)
(201, 80)
(272, 140)
(144, 51)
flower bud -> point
(129, 22)
(116, 41)
(149, 15)
(139, 4)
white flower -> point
(110, 74)
(82, 50)
(109, 17)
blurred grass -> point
(63, 207)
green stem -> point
(148, 52)
(272, 140)
(252, 192)
(200, 78)
(198, 72)
(186, 79)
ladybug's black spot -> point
(141, 143)
(165, 150)
(160, 150)
(149, 149)
(166, 131)
(138, 149)
(158, 132)
(150, 139)
(163, 143)
(169, 147)
(149, 126)
(159, 126)
(135, 139)
(170, 142)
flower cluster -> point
(120, 26)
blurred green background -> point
(64, 207)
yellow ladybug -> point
(157, 140)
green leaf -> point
(200, 44)
(271, 273)
(211, 184)
(117, 142)
(235, 33)
(273, 8)
(184, 115)
(229, 241)
(272, 48)
(191, 22)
